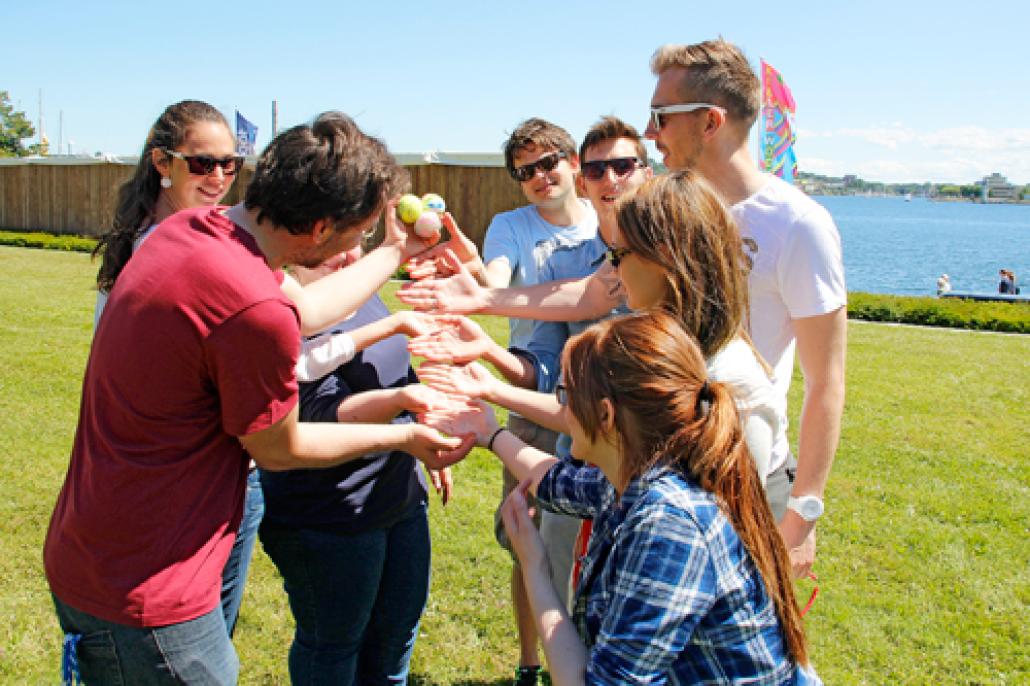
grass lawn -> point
(924, 553)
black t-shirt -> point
(372, 491)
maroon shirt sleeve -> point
(252, 357)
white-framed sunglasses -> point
(657, 112)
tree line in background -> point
(15, 128)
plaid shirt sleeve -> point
(664, 582)
(574, 489)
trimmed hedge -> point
(947, 312)
(47, 241)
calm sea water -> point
(899, 247)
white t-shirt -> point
(763, 410)
(526, 240)
(798, 270)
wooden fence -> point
(79, 197)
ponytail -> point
(668, 413)
(714, 453)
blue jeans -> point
(234, 575)
(197, 651)
(357, 599)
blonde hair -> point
(716, 72)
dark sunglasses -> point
(202, 165)
(616, 255)
(545, 164)
(561, 394)
(620, 165)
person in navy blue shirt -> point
(352, 542)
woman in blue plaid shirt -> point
(686, 580)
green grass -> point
(924, 554)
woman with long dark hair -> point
(188, 160)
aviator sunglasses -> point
(545, 164)
(620, 165)
(202, 165)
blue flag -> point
(246, 135)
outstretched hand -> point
(435, 450)
(475, 418)
(458, 294)
(456, 340)
(472, 380)
(417, 398)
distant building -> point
(850, 180)
(996, 188)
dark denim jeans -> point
(357, 599)
(195, 652)
(234, 576)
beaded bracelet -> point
(493, 437)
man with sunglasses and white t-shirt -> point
(704, 105)
(705, 102)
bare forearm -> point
(380, 405)
(315, 445)
(372, 333)
(539, 408)
(566, 654)
(563, 301)
(822, 351)
(515, 368)
(334, 297)
(523, 461)
(818, 436)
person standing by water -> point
(705, 102)
(1006, 282)
(943, 284)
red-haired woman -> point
(686, 579)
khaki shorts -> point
(558, 531)
(778, 486)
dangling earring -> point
(166, 182)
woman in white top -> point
(676, 249)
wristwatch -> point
(809, 507)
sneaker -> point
(527, 676)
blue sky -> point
(888, 90)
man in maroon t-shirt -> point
(190, 376)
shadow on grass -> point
(423, 680)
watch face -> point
(812, 508)
(808, 506)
